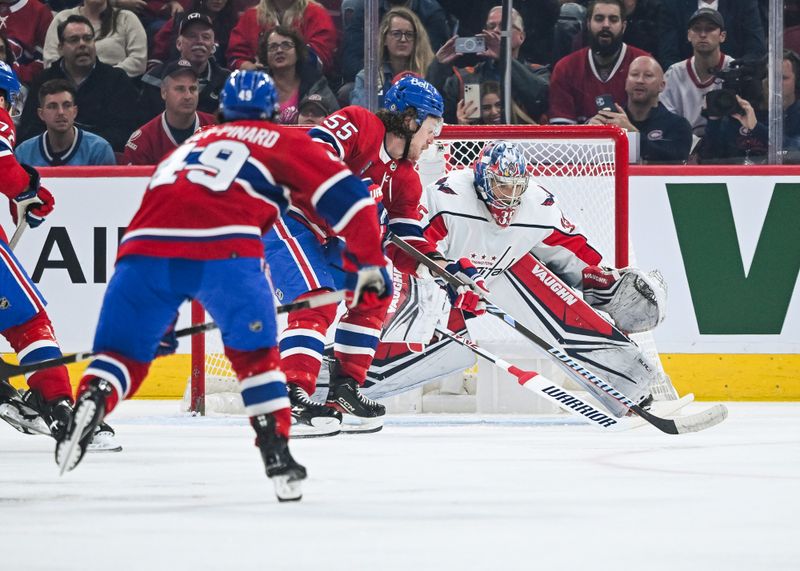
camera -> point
(470, 45)
(742, 78)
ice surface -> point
(428, 492)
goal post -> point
(584, 166)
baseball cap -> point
(195, 18)
(708, 14)
(176, 67)
(315, 99)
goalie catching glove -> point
(468, 297)
(635, 300)
(34, 203)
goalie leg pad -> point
(636, 301)
(302, 345)
(417, 307)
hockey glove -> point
(369, 287)
(169, 341)
(34, 203)
(468, 297)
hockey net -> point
(586, 167)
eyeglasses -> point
(75, 40)
(284, 46)
(401, 35)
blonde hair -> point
(422, 56)
(269, 15)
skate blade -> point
(68, 452)
(288, 488)
(12, 416)
(319, 428)
(361, 425)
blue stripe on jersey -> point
(353, 339)
(113, 370)
(327, 137)
(404, 229)
(264, 393)
(304, 341)
(41, 354)
(273, 192)
(335, 203)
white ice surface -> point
(428, 492)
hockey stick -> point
(21, 227)
(8, 370)
(691, 423)
(542, 386)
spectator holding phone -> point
(488, 109)
(599, 69)
(664, 137)
(529, 83)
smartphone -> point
(605, 102)
(470, 45)
(472, 94)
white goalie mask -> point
(501, 178)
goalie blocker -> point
(538, 299)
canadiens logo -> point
(655, 135)
(566, 224)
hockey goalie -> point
(538, 267)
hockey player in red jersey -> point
(23, 320)
(383, 149)
(198, 235)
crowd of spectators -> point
(139, 76)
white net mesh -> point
(579, 165)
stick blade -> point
(702, 420)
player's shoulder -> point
(573, 60)
(456, 187)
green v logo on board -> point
(726, 301)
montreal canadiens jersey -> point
(459, 222)
(13, 178)
(356, 137)
(216, 194)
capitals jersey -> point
(459, 222)
(13, 178)
(356, 137)
(216, 194)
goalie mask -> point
(501, 178)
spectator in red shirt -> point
(310, 19)
(25, 24)
(180, 119)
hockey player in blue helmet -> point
(412, 101)
(248, 96)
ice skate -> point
(286, 474)
(359, 413)
(312, 419)
(88, 414)
(19, 414)
(104, 440)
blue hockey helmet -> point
(248, 94)
(415, 92)
(10, 85)
(501, 178)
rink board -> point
(71, 258)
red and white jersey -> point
(459, 222)
(25, 24)
(357, 137)
(152, 141)
(219, 192)
(684, 93)
(575, 84)
(13, 178)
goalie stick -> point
(692, 423)
(9, 370)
